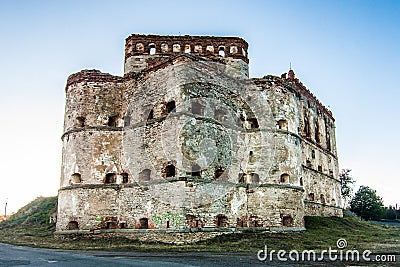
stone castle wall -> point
(186, 141)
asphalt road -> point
(26, 256)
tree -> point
(391, 213)
(367, 204)
(346, 185)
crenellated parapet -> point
(91, 76)
(142, 51)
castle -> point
(186, 142)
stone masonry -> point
(185, 142)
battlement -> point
(142, 51)
(91, 76)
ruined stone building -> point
(185, 141)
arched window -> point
(144, 223)
(313, 154)
(164, 48)
(73, 225)
(176, 48)
(253, 123)
(80, 122)
(170, 171)
(110, 178)
(308, 163)
(76, 178)
(221, 221)
(301, 181)
(282, 124)
(219, 171)
(112, 121)
(322, 197)
(140, 47)
(317, 139)
(285, 178)
(319, 168)
(152, 49)
(198, 49)
(187, 49)
(196, 170)
(221, 51)
(111, 225)
(170, 107)
(311, 196)
(287, 221)
(125, 177)
(144, 175)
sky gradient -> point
(345, 52)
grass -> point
(30, 227)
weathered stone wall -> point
(187, 141)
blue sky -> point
(345, 52)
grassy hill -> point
(30, 227)
(36, 212)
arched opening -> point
(187, 49)
(306, 126)
(253, 123)
(196, 170)
(111, 225)
(287, 221)
(285, 178)
(140, 47)
(170, 107)
(164, 48)
(301, 181)
(112, 121)
(317, 138)
(152, 49)
(170, 171)
(111, 178)
(240, 222)
(125, 177)
(144, 223)
(198, 49)
(80, 122)
(221, 51)
(282, 124)
(144, 175)
(176, 48)
(319, 168)
(122, 225)
(255, 178)
(311, 196)
(308, 163)
(219, 171)
(322, 198)
(76, 178)
(313, 154)
(73, 225)
(221, 221)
